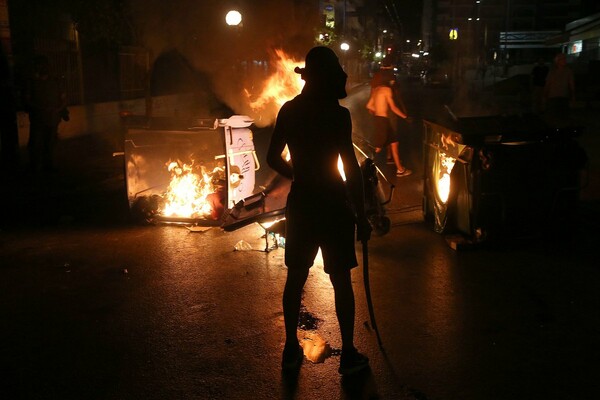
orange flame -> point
(443, 183)
(186, 196)
(283, 85)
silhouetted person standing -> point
(322, 210)
(559, 91)
(45, 101)
(538, 81)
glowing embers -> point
(283, 84)
(192, 192)
(446, 163)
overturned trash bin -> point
(188, 171)
(499, 176)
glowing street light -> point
(233, 18)
(344, 46)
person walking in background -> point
(322, 210)
(380, 103)
(538, 82)
(45, 101)
(559, 90)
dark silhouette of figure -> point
(45, 100)
(538, 80)
(9, 133)
(559, 91)
(322, 210)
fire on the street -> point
(189, 193)
(283, 85)
(443, 183)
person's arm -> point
(278, 142)
(354, 180)
(371, 103)
(390, 100)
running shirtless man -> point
(379, 105)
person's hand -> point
(363, 229)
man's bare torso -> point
(380, 100)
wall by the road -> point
(104, 119)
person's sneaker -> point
(405, 172)
(292, 358)
(352, 362)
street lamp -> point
(233, 18)
(344, 46)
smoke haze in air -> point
(198, 31)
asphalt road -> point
(95, 306)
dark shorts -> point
(314, 222)
(558, 106)
(384, 134)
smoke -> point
(233, 58)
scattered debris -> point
(242, 245)
(199, 229)
(315, 348)
(459, 242)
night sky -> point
(405, 12)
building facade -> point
(498, 31)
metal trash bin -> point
(498, 176)
(188, 171)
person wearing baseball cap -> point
(323, 211)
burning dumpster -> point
(188, 171)
(498, 176)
